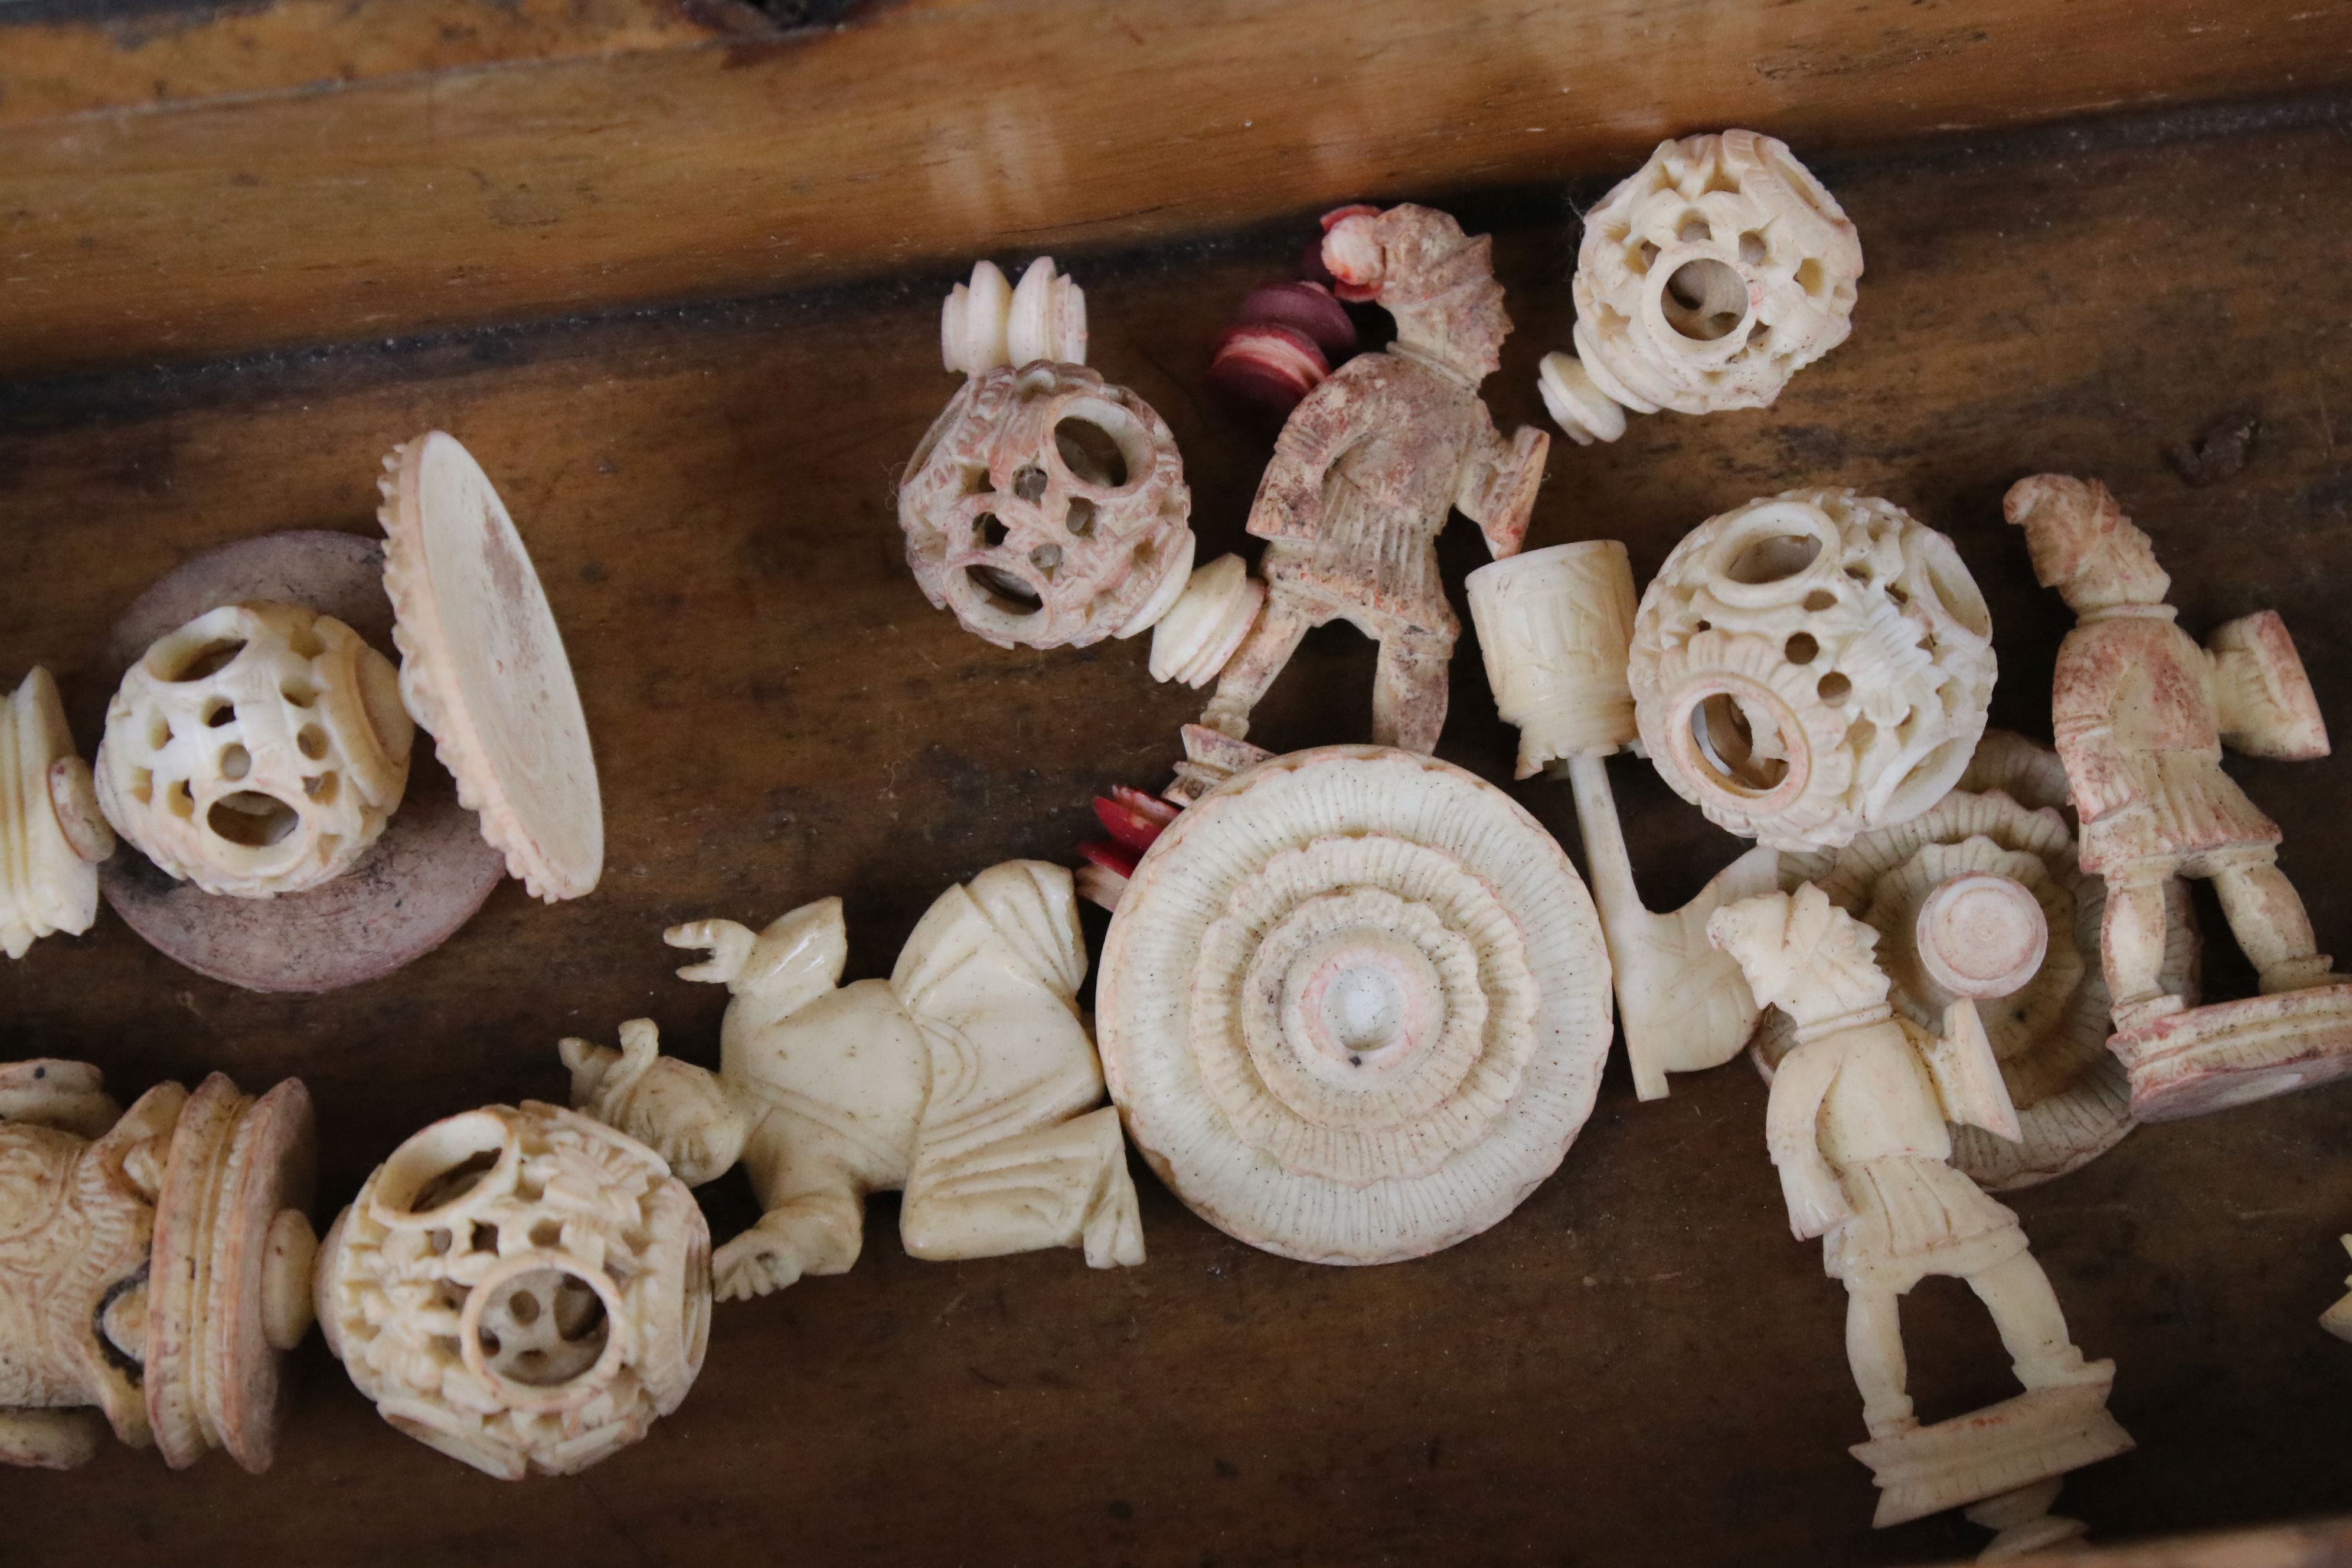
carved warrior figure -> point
(1370, 465)
(2141, 714)
(965, 1080)
(1718, 271)
(1856, 1128)
(153, 1264)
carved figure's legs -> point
(815, 1223)
(2131, 944)
(2032, 1326)
(1262, 656)
(2267, 916)
(1409, 689)
(1874, 1349)
(1058, 1186)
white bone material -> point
(1354, 1004)
(1856, 1129)
(483, 667)
(988, 323)
(52, 833)
(522, 1289)
(1704, 281)
(258, 749)
(1811, 665)
(967, 1080)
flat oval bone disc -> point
(408, 894)
(1354, 1005)
(483, 668)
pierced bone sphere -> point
(1353, 1006)
(258, 749)
(1811, 665)
(526, 1289)
(1703, 283)
(1048, 508)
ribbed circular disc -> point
(484, 668)
(1467, 1124)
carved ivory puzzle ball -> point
(1354, 1004)
(1811, 665)
(258, 749)
(1855, 1126)
(2142, 714)
(967, 1080)
(52, 833)
(154, 1265)
(1981, 898)
(1703, 283)
(523, 1289)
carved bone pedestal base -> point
(2038, 1434)
(2234, 1053)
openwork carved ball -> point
(1811, 665)
(1048, 508)
(1354, 1004)
(1713, 275)
(525, 1290)
(258, 749)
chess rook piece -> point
(1370, 465)
(2141, 714)
(1857, 1129)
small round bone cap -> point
(1982, 935)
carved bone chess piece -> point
(1857, 1129)
(154, 1265)
(1811, 665)
(52, 833)
(1704, 281)
(521, 1288)
(1371, 464)
(967, 1080)
(2142, 714)
(1354, 1004)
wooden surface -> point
(1639, 1366)
(923, 129)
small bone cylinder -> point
(1554, 626)
(1982, 935)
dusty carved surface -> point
(522, 1289)
(52, 835)
(258, 749)
(1811, 665)
(968, 1081)
(809, 725)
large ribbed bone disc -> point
(483, 668)
(1354, 1005)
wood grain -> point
(925, 131)
(1640, 1365)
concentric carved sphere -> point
(1811, 665)
(258, 749)
(1354, 1005)
(1048, 508)
(1713, 275)
(524, 1289)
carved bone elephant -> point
(966, 1079)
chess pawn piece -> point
(1856, 1128)
(1371, 464)
(2141, 714)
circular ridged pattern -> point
(1354, 1005)
(2050, 1035)
(483, 667)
